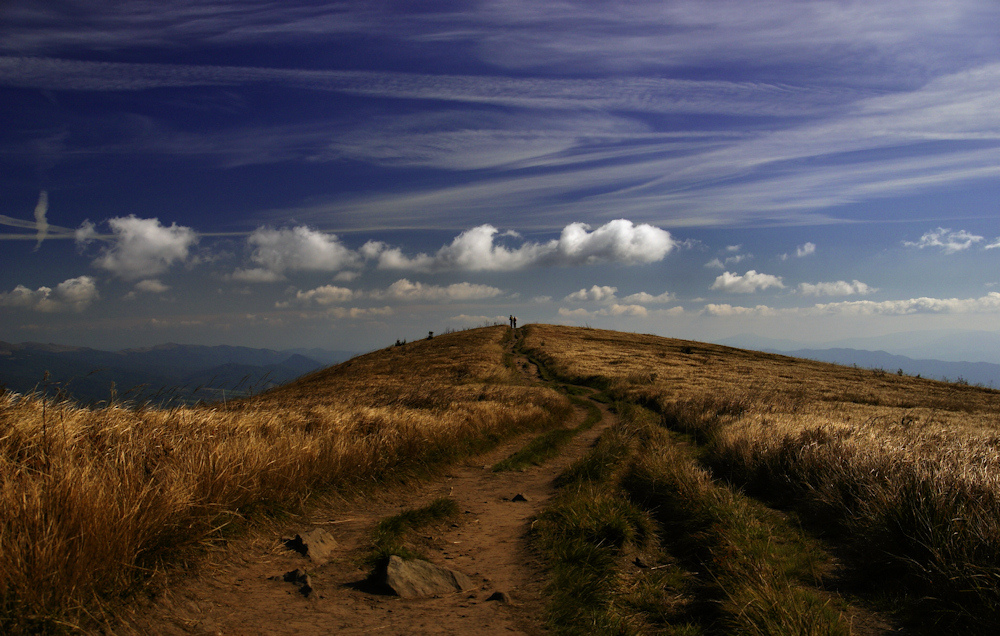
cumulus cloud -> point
(613, 310)
(255, 275)
(725, 310)
(746, 284)
(403, 289)
(649, 299)
(838, 288)
(805, 250)
(801, 251)
(594, 294)
(735, 259)
(152, 286)
(294, 249)
(360, 312)
(325, 295)
(140, 248)
(989, 303)
(949, 242)
(618, 241)
(74, 294)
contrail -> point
(41, 224)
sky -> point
(342, 175)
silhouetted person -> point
(512, 321)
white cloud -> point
(256, 275)
(152, 286)
(838, 288)
(746, 284)
(294, 249)
(726, 310)
(594, 294)
(949, 242)
(618, 241)
(648, 299)
(41, 223)
(985, 304)
(614, 310)
(325, 295)
(541, 299)
(346, 276)
(624, 310)
(805, 250)
(992, 246)
(403, 289)
(575, 313)
(140, 247)
(360, 312)
(85, 233)
(74, 294)
(730, 260)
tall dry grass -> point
(906, 469)
(95, 501)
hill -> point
(729, 491)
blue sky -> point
(283, 174)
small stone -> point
(297, 575)
(317, 544)
(500, 597)
(520, 497)
(640, 562)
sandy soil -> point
(234, 593)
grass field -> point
(95, 502)
(727, 475)
(902, 470)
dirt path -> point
(489, 543)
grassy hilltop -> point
(95, 501)
(903, 472)
(717, 453)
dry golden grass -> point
(908, 469)
(94, 501)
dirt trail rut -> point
(489, 543)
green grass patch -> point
(737, 566)
(547, 445)
(390, 535)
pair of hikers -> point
(513, 322)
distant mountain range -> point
(946, 345)
(982, 373)
(979, 347)
(183, 373)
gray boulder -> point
(317, 544)
(417, 579)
